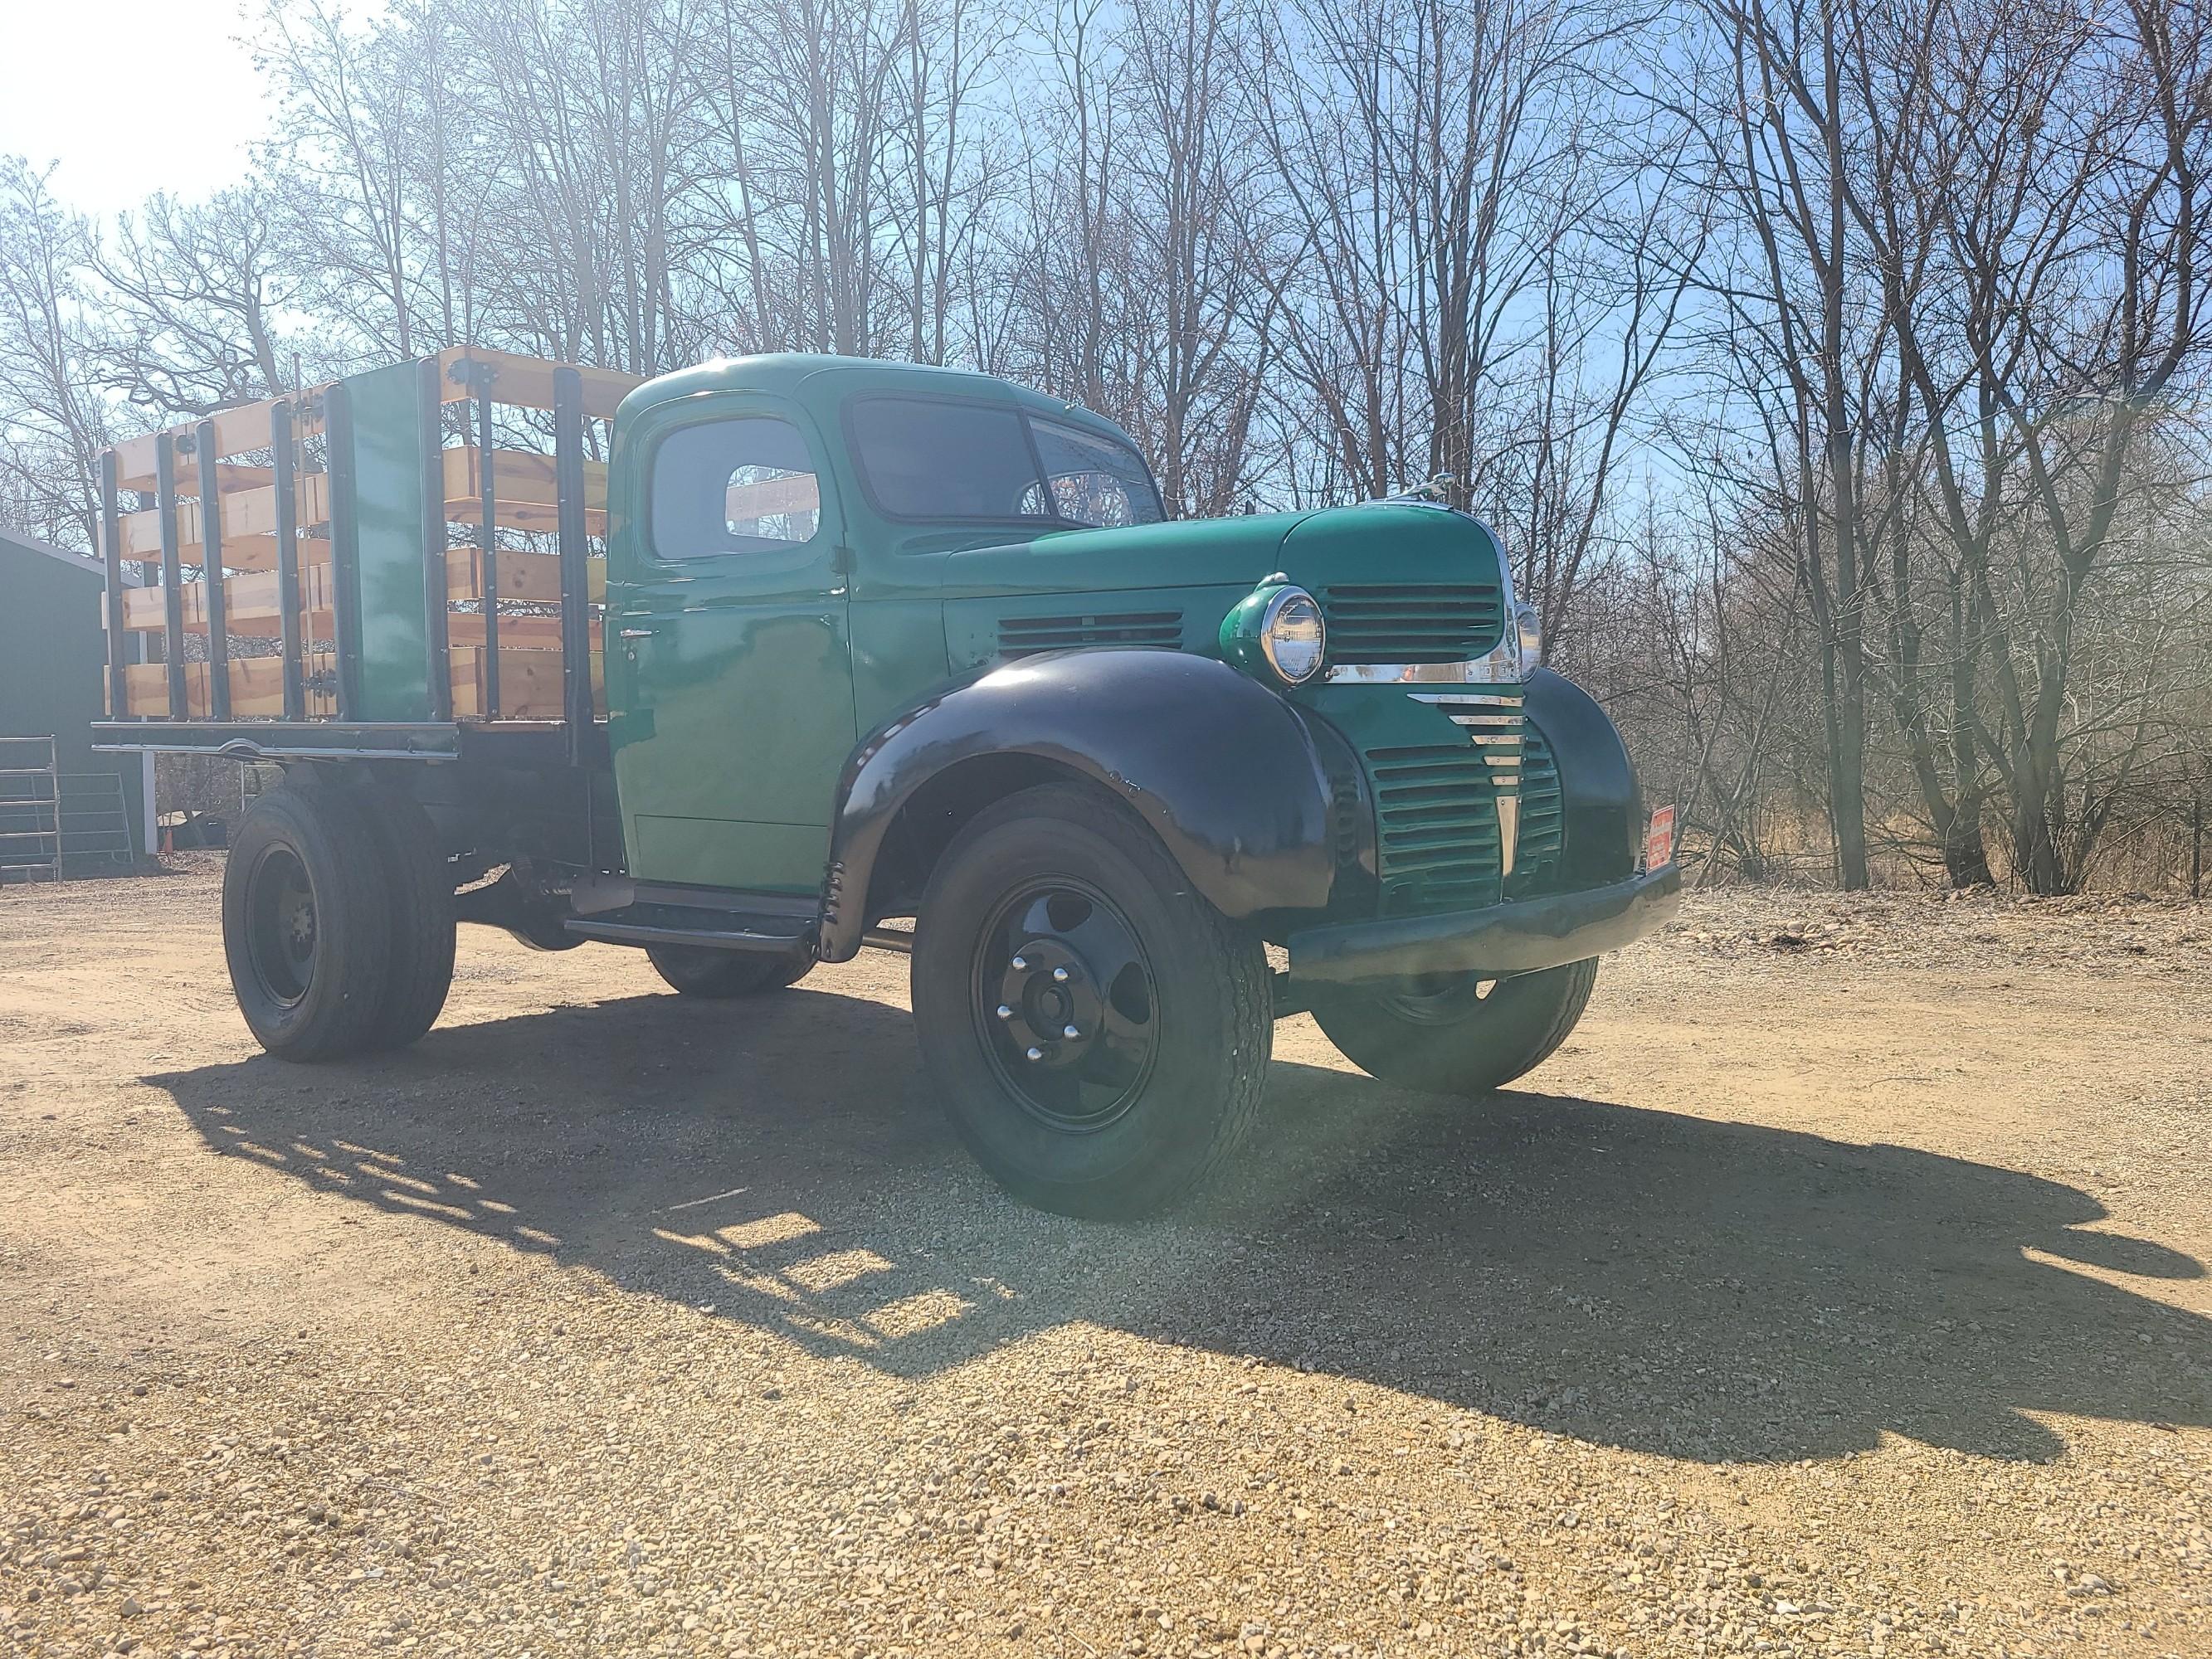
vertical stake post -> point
(480, 376)
(288, 557)
(575, 590)
(429, 414)
(215, 601)
(345, 542)
(173, 592)
(110, 547)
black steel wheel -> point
(1098, 1033)
(694, 971)
(1066, 1002)
(281, 927)
(307, 922)
(1457, 1034)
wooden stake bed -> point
(282, 533)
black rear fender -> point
(1228, 775)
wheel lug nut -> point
(1004, 1012)
(1060, 975)
(1037, 1053)
(1069, 1031)
(1020, 963)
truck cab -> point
(909, 658)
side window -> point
(745, 485)
(1093, 480)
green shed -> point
(52, 668)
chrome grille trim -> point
(1494, 669)
(1494, 720)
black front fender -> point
(1601, 800)
(1227, 774)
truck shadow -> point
(1632, 1277)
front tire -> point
(693, 970)
(1458, 1034)
(307, 922)
(1099, 1034)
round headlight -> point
(1292, 636)
(1532, 635)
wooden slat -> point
(535, 577)
(525, 578)
(527, 500)
(253, 607)
(527, 382)
(522, 476)
(771, 497)
(257, 688)
(237, 431)
(146, 687)
(520, 382)
(529, 682)
(259, 552)
(248, 513)
(526, 497)
(535, 632)
(236, 475)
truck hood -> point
(1379, 541)
(1186, 553)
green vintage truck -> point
(767, 661)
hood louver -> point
(1024, 636)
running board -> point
(714, 928)
(710, 930)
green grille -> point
(1436, 829)
(1412, 621)
(1543, 820)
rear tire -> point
(1098, 1033)
(694, 971)
(306, 921)
(1452, 1038)
(419, 883)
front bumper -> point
(1505, 939)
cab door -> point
(729, 666)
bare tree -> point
(54, 421)
(198, 290)
(1832, 369)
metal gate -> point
(54, 822)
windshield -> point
(934, 458)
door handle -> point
(635, 634)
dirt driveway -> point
(1839, 1289)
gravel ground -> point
(1837, 1290)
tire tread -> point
(1238, 1076)
(738, 973)
(307, 808)
(421, 973)
(1475, 1058)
